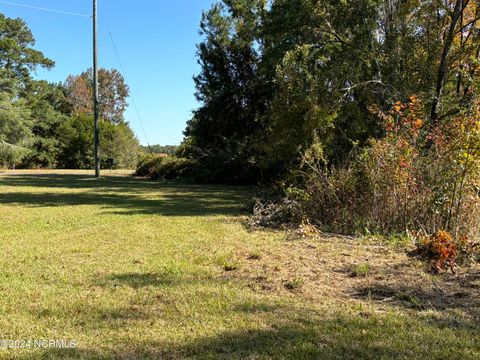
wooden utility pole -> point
(95, 93)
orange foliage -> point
(441, 249)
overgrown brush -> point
(162, 167)
(147, 163)
(416, 179)
(445, 252)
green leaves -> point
(17, 55)
(222, 133)
(275, 76)
(11, 155)
(35, 127)
(14, 121)
(75, 137)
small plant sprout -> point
(294, 284)
(361, 270)
(256, 255)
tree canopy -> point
(276, 75)
(49, 125)
(112, 97)
(17, 55)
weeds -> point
(416, 179)
(294, 284)
(361, 270)
(230, 266)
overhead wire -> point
(115, 50)
(59, 12)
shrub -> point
(441, 249)
(146, 164)
(416, 178)
(445, 252)
(172, 168)
(161, 167)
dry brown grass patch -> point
(320, 269)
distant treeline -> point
(160, 149)
(51, 125)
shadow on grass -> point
(294, 334)
(166, 279)
(418, 298)
(115, 182)
(125, 196)
(137, 280)
(269, 330)
(69, 181)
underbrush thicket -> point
(418, 180)
(194, 169)
(163, 167)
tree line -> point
(278, 75)
(49, 125)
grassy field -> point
(132, 269)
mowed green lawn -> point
(133, 269)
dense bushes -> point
(416, 179)
(196, 168)
(161, 167)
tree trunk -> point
(443, 67)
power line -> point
(61, 12)
(131, 96)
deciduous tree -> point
(113, 94)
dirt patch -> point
(343, 269)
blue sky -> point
(156, 41)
